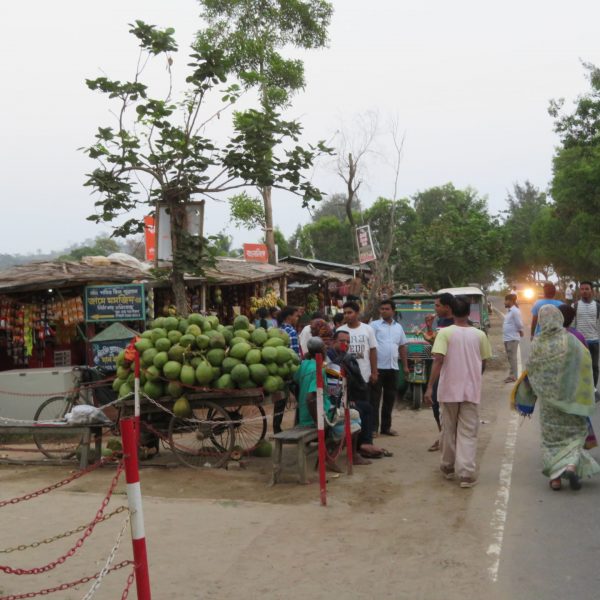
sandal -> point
(386, 453)
(574, 480)
(434, 447)
(555, 484)
(366, 454)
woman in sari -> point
(560, 374)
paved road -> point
(551, 547)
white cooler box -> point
(22, 391)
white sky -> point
(469, 82)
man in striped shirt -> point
(587, 311)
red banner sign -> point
(256, 253)
(150, 238)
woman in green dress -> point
(560, 374)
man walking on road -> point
(391, 344)
(569, 294)
(549, 293)
(512, 332)
(459, 355)
(587, 313)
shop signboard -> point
(366, 253)
(256, 253)
(117, 302)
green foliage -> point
(455, 240)
(335, 206)
(247, 212)
(102, 246)
(164, 142)
(575, 185)
(523, 255)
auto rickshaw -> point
(480, 314)
(411, 310)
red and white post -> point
(321, 430)
(130, 435)
(347, 429)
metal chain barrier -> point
(106, 569)
(61, 483)
(128, 584)
(88, 531)
(65, 586)
(61, 536)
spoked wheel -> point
(417, 396)
(250, 426)
(61, 443)
(205, 439)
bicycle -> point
(59, 442)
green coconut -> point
(163, 344)
(216, 356)
(174, 389)
(148, 357)
(268, 354)
(239, 351)
(152, 373)
(202, 341)
(229, 363)
(172, 370)
(170, 323)
(160, 360)
(224, 382)
(271, 384)
(241, 322)
(204, 373)
(182, 408)
(258, 373)
(259, 336)
(187, 375)
(253, 357)
(174, 336)
(143, 344)
(240, 374)
(154, 389)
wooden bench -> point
(88, 431)
(302, 437)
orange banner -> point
(150, 238)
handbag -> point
(522, 397)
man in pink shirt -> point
(459, 355)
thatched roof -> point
(55, 274)
(97, 270)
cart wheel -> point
(250, 425)
(56, 443)
(205, 439)
(417, 396)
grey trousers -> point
(512, 349)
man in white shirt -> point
(391, 344)
(586, 321)
(363, 345)
(512, 332)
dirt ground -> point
(394, 529)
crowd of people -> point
(371, 356)
(561, 376)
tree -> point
(455, 242)
(327, 239)
(575, 186)
(522, 256)
(335, 206)
(161, 146)
(253, 33)
(101, 246)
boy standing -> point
(459, 355)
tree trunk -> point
(269, 233)
(177, 215)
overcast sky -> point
(469, 82)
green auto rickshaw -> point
(411, 310)
(480, 313)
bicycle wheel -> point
(205, 439)
(57, 442)
(250, 426)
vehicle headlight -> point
(529, 293)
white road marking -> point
(498, 522)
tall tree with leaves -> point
(525, 206)
(253, 33)
(575, 184)
(160, 146)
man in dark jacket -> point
(357, 393)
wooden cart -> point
(221, 423)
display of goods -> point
(270, 299)
(179, 355)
